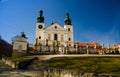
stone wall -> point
(10, 63)
(73, 73)
(18, 65)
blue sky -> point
(93, 20)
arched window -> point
(55, 37)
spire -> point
(41, 13)
(41, 17)
(67, 20)
(67, 15)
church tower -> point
(40, 27)
(68, 26)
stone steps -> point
(4, 66)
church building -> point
(54, 38)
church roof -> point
(20, 39)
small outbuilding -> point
(20, 45)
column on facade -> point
(59, 40)
(66, 40)
(52, 40)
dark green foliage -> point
(5, 48)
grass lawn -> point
(88, 64)
(20, 59)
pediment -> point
(55, 26)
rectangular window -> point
(55, 36)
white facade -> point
(53, 36)
(20, 44)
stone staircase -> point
(4, 67)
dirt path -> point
(48, 57)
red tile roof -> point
(92, 44)
(115, 47)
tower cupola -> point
(23, 34)
(41, 17)
(67, 20)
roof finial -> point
(52, 23)
(41, 13)
(67, 15)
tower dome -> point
(41, 17)
(67, 20)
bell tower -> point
(69, 28)
(40, 25)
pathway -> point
(47, 57)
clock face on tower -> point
(40, 26)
